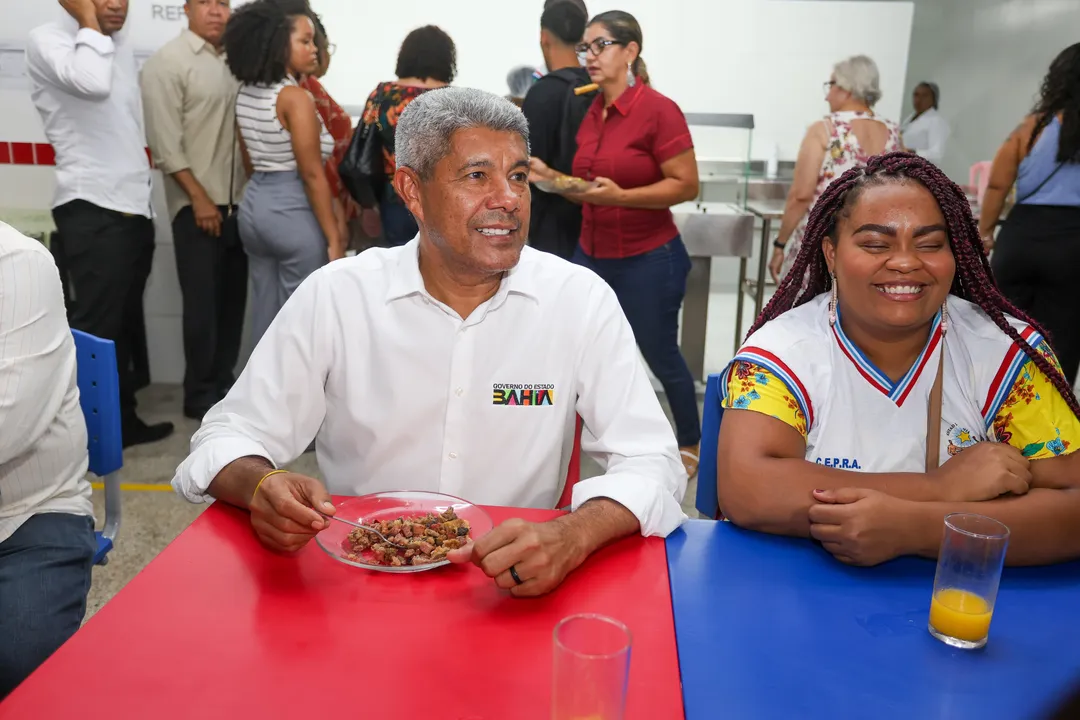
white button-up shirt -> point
(42, 432)
(405, 394)
(926, 135)
(85, 86)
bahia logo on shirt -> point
(840, 463)
(525, 395)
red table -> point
(217, 627)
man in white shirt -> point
(926, 132)
(46, 520)
(189, 99)
(457, 363)
(85, 86)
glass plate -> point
(389, 506)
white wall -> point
(766, 57)
(989, 58)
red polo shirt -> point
(643, 129)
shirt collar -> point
(926, 115)
(628, 99)
(196, 43)
(407, 280)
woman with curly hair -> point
(889, 351)
(287, 222)
(1039, 245)
(427, 59)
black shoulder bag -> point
(361, 170)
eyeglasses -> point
(330, 48)
(828, 85)
(596, 47)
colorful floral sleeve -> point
(1034, 418)
(752, 387)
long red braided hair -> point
(809, 275)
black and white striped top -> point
(269, 145)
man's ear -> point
(407, 184)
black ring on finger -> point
(513, 574)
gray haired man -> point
(457, 363)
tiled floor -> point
(151, 520)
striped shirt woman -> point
(269, 144)
(287, 221)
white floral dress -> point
(842, 154)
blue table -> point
(771, 627)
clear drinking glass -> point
(592, 667)
(966, 585)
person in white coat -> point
(926, 131)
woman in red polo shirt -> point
(635, 144)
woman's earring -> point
(630, 79)
(832, 301)
(944, 317)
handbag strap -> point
(232, 160)
(933, 416)
(1041, 185)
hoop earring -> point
(832, 301)
(630, 79)
(944, 317)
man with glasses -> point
(555, 113)
(190, 104)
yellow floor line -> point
(138, 487)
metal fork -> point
(373, 531)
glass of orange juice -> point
(966, 585)
(592, 667)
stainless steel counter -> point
(709, 230)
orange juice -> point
(960, 614)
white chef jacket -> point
(926, 135)
(405, 394)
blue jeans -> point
(399, 226)
(44, 577)
(650, 288)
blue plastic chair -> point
(706, 502)
(99, 396)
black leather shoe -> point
(137, 432)
(195, 413)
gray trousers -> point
(283, 241)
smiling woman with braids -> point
(898, 337)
